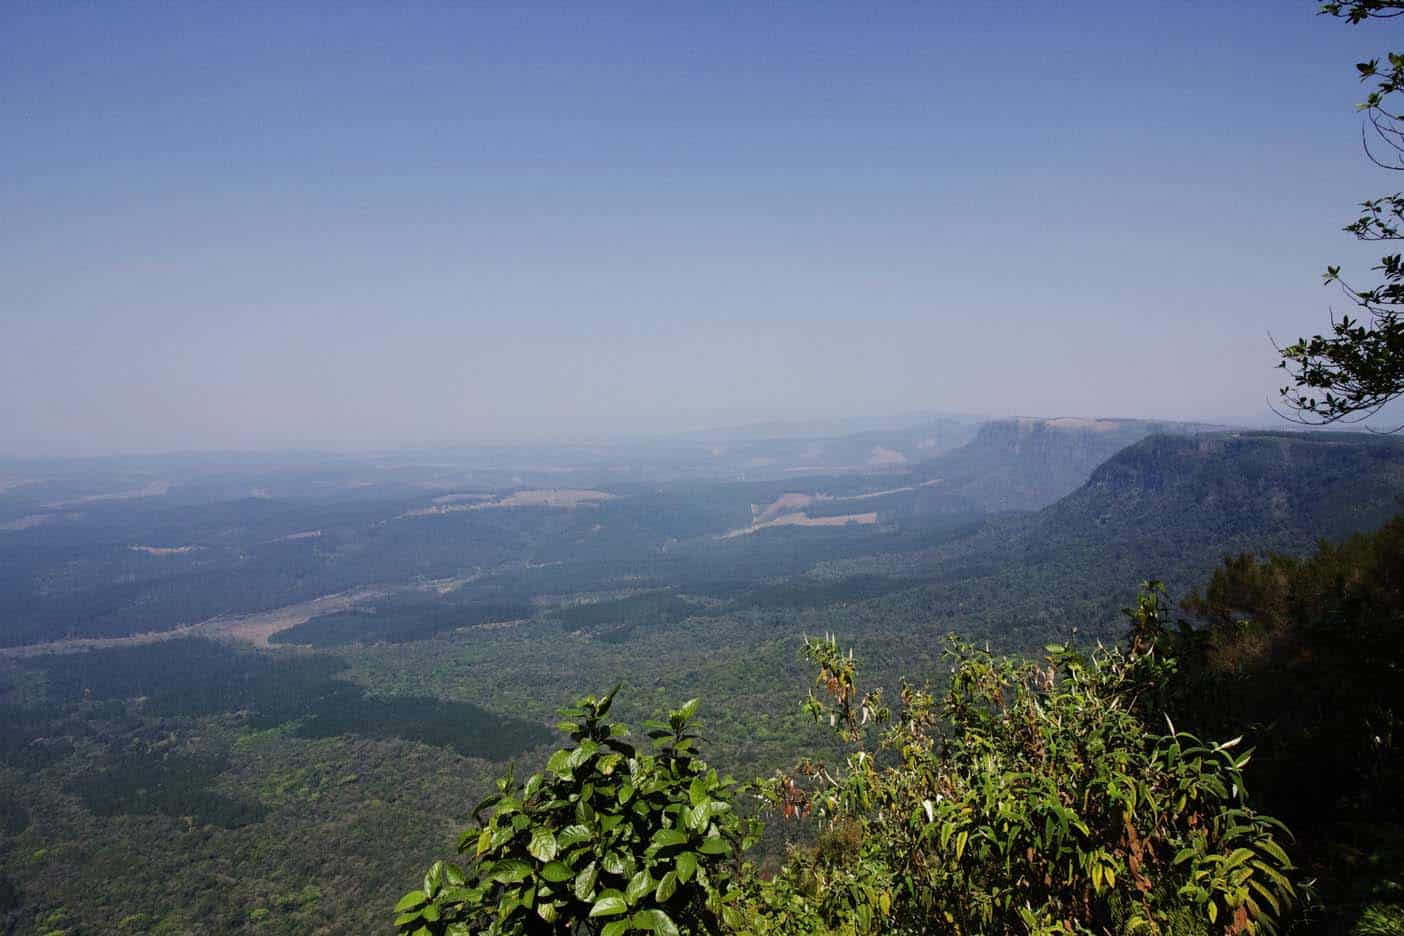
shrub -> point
(1030, 798)
(606, 840)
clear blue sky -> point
(252, 225)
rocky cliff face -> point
(1027, 464)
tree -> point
(607, 840)
(1303, 656)
(1350, 373)
(1034, 797)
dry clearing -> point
(803, 519)
(549, 497)
(246, 628)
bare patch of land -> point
(257, 628)
(803, 519)
(899, 490)
(886, 458)
(304, 535)
(154, 489)
(245, 628)
(554, 497)
(457, 498)
(546, 497)
(25, 523)
(1074, 422)
(795, 501)
(785, 503)
(97, 643)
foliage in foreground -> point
(1305, 656)
(1352, 372)
(1032, 797)
(607, 840)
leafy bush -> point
(1303, 655)
(605, 840)
(1031, 798)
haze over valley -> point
(618, 469)
(319, 644)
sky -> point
(256, 225)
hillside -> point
(1168, 497)
(1006, 466)
(1168, 507)
(1026, 464)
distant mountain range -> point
(1169, 506)
(1026, 464)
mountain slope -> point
(1233, 491)
(1026, 464)
(1168, 507)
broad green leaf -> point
(714, 846)
(573, 835)
(655, 921)
(614, 863)
(432, 877)
(511, 871)
(413, 899)
(666, 887)
(559, 764)
(581, 754)
(639, 885)
(663, 838)
(557, 871)
(696, 817)
(603, 708)
(585, 881)
(543, 845)
(610, 903)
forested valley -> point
(269, 714)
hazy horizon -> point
(244, 229)
(815, 426)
